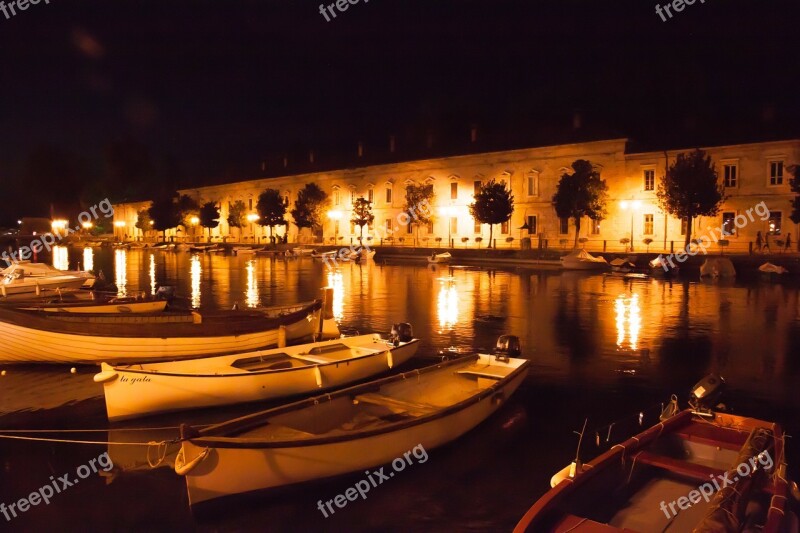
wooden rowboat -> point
(143, 389)
(696, 471)
(33, 337)
(110, 306)
(345, 431)
(440, 258)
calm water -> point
(602, 347)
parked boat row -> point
(25, 277)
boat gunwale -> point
(118, 368)
(205, 437)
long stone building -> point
(751, 174)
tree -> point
(209, 216)
(362, 215)
(236, 213)
(691, 189)
(143, 221)
(165, 214)
(794, 182)
(307, 212)
(581, 194)
(493, 204)
(271, 209)
(187, 208)
(419, 199)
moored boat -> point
(204, 247)
(143, 389)
(33, 337)
(302, 251)
(25, 277)
(109, 306)
(440, 258)
(347, 430)
(323, 255)
(697, 470)
(583, 260)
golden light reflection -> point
(196, 270)
(121, 272)
(629, 320)
(251, 296)
(60, 258)
(447, 304)
(152, 273)
(335, 280)
(88, 259)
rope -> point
(5, 431)
(95, 442)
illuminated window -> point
(649, 180)
(477, 187)
(533, 184)
(776, 173)
(388, 226)
(504, 228)
(371, 195)
(594, 226)
(454, 191)
(684, 226)
(648, 224)
(563, 225)
(731, 175)
(477, 227)
(352, 197)
(336, 198)
(388, 195)
(774, 222)
(728, 224)
(532, 225)
(453, 224)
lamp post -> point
(448, 211)
(251, 218)
(336, 216)
(633, 206)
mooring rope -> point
(93, 442)
(164, 428)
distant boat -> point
(33, 337)
(203, 247)
(622, 265)
(245, 250)
(144, 389)
(440, 258)
(348, 430)
(362, 253)
(717, 267)
(770, 269)
(302, 251)
(25, 277)
(163, 246)
(660, 267)
(322, 255)
(583, 260)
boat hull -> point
(230, 471)
(31, 345)
(134, 393)
(35, 286)
(155, 306)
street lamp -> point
(251, 218)
(634, 206)
(448, 211)
(336, 216)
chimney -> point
(473, 133)
(360, 149)
(392, 144)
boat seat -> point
(395, 404)
(276, 361)
(491, 372)
(571, 522)
(713, 435)
(686, 469)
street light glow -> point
(252, 217)
(335, 215)
(86, 225)
(194, 221)
(120, 223)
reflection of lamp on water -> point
(251, 296)
(629, 320)
(88, 259)
(336, 282)
(447, 305)
(60, 258)
(634, 206)
(195, 271)
(336, 216)
(120, 272)
(152, 274)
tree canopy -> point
(419, 199)
(583, 193)
(494, 204)
(307, 212)
(271, 209)
(691, 189)
(362, 215)
(209, 216)
(794, 182)
(236, 213)
(143, 221)
(165, 213)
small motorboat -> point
(144, 389)
(302, 251)
(245, 250)
(107, 306)
(203, 247)
(583, 260)
(324, 255)
(772, 270)
(696, 470)
(25, 277)
(717, 267)
(350, 429)
(440, 258)
(621, 265)
(163, 246)
(661, 267)
(361, 254)
(34, 337)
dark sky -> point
(206, 90)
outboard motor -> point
(401, 332)
(165, 292)
(507, 346)
(707, 392)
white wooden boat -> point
(163, 246)
(440, 258)
(203, 247)
(302, 251)
(771, 269)
(347, 430)
(110, 306)
(26, 278)
(33, 337)
(144, 389)
(244, 250)
(583, 260)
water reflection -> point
(251, 295)
(629, 320)
(88, 259)
(121, 272)
(447, 304)
(196, 270)
(335, 280)
(152, 273)
(60, 257)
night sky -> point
(123, 98)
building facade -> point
(751, 174)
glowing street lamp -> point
(86, 225)
(59, 225)
(633, 206)
(121, 223)
(336, 216)
(251, 218)
(448, 211)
